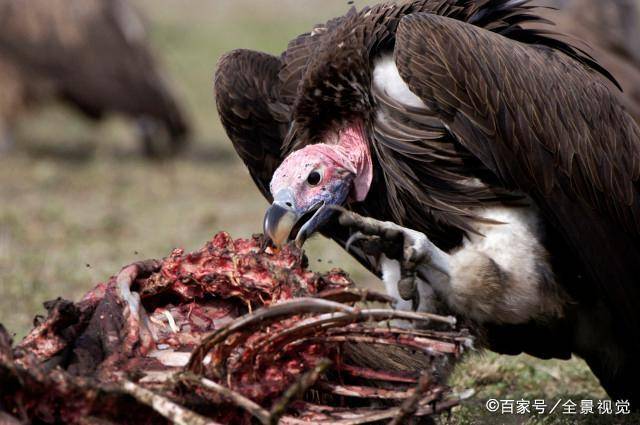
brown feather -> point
(246, 90)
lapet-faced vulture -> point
(498, 173)
(92, 54)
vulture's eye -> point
(314, 178)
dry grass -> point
(77, 201)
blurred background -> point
(111, 151)
(80, 198)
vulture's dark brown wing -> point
(247, 97)
(536, 118)
(547, 125)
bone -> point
(306, 336)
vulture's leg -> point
(137, 320)
(501, 274)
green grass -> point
(78, 201)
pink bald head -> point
(315, 177)
(349, 156)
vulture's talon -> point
(407, 288)
(355, 237)
(410, 246)
(358, 237)
(408, 284)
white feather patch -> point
(387, 79)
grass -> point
(78, 201)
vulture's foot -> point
(501, 277)
(410, 247)
(138, 330)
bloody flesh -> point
(231, 319)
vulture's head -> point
(331, 121)
(314, 178)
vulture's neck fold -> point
(355, 156)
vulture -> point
(92, 54)
(477, 164)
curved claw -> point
(353, 238)
(357, 237)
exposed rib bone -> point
(170, 410)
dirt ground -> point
(79, 201)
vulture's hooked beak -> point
(283, 221)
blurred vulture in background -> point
(610, 32)
(91, 54)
